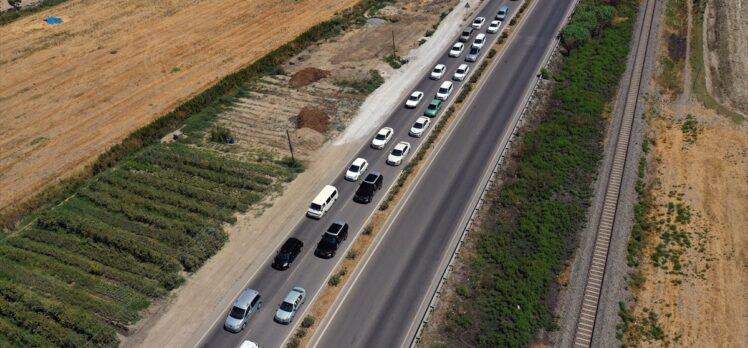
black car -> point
(331, 239)
(371, 184)
(287, 253)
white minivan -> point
(322, 203)
(444, 90)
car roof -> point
(504, 8)
(462, 66)
(435, 101)
(372, 176)
(358, 161)
(422, 119)
(290, 243)
(385, 129)
(446, 84)
(402, 144)
(292, 296)
(417, 93)
(496, 21)
(245, 298)
(440, 66)
(340, 223)
(458, 44)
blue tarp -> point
(53, 20)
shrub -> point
(220, 135)
(365, 86)
(307, 322)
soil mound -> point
(306, 76)
(311, 117)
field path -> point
(70, 91)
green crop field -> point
(87, 267)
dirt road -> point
(70, 91)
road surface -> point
(384, 303)
(311, 272)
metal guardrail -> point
(498, 163)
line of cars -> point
(249, 301)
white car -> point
(493, 28)
(444, 91)
(249, 344)
(478, 22)
(457, 49)
(398, 153)
(382, 138)
(438, 71)
(461, 72)
(479, 41)
(290, 305)
(420, 126)
(414, 99)
(357, 168)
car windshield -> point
(418, 125)
(474, 50)
(315, 206)
(397, 152)
(354, 168)
(237, 313)
(380, 136)
(442, 90)
(286, 306)
(432, 106)
(460, 71)
(413, 97)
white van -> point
(444, 90)
(322, 203)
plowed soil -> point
(70, 91)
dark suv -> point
(287, 253)
(371, 184)
(336, 234)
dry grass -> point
(114, 66)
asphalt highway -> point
(412, 252)
(384, 302)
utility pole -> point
(290, 146)
(394, 50)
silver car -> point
(248, 303)
(473, 54)
(288, 308)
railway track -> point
(591, 298)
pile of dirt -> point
(306, 76)
(311, 117)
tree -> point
(16, 4)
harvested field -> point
(70, 91)
(260, 120)
(690, 282)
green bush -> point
(365, 86)
(220, 135)
(307, 322)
